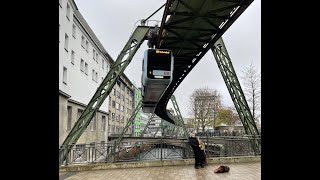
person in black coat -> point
(198, 155)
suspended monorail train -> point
(157, 72)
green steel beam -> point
(174, 128)
(147, 125)
(130, 121)
(168, 127)
(125, 129)
(171, 128)
(179, 117)
(230, 78)
(116, 70)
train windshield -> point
(159, 63)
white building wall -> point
(80, 85)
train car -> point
(157, 72)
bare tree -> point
(252, 89)
(204, 103)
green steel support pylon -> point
(178, 117)
(172, 133)
(116, 70)
(230, 78)
(125, 129)
(130, 121)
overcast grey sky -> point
(114, 20)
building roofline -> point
(90, 32)
(64, 94)
(94, 38)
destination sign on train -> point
(162, 52)
(161, 73)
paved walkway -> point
(238, 171)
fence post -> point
(67, 158)
(161, 144)
(114, 151)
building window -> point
(87, 45)
(117, 117)
(113, 103)
(113, 116)
(79, 115)
(66, 42)
(94, 54)
(122, 118)
(93, 123)
(96, 77)
(64, 75)
(122, 108)
(93, 74)
(122, 86)
(68, 12)
(82, 41)
(69, 111)
(74, 31)
(118, 94)
(103, 123)
(72, 57)
(82, 65)
(117, 105)
(114, 92)
(86, 69)
(102, 64)
(97, 58)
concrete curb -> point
(138, 164)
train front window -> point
(159, 64)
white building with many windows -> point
(83, 63)
(154, 128)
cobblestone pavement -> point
(238, 171)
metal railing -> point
(158, 149)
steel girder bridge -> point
(189, 28)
